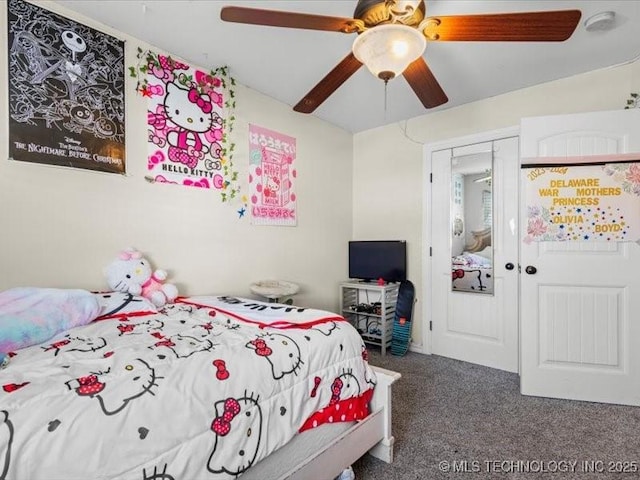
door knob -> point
(509, 266)
(531, 270)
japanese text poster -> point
(271, 177)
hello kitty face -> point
(75, 344)
(204, 330)
(231, 326)
(124, 275)
(223, 321)
(238, 428)
(117, 387)
(174, 308)
(273, 184)
(345, 385)
(147, 326)
(184, 346)
(188, 109)
(179, 313)
(325, 328)
(282, 353)
(112, 303)
(84, 344)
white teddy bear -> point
(132, 273)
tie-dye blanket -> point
(203, 389)
(30, 315)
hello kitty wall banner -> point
(66, 91)
(271, 177)
(189, 119)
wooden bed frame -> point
(373, 434)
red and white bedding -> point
(472, 272)
(472, 279)
(203, 388)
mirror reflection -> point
(471, 223)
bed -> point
(472, 270)
(470, 278)
(208, 387)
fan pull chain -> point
(386, 84)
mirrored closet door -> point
(474, 208)
(471, 222)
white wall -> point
(388, 183)
(60, 227)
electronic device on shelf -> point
(363, 308)
(370, 260)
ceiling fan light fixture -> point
(387, 50)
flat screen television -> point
(370, 260)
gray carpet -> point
(447, 411)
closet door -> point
(474, 311)
(580, 322)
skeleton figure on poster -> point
(64, 75)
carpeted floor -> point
(447, 412)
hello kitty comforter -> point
(203, 389)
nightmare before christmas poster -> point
(66, 91)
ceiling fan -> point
(392, 36)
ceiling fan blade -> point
(424, 83)
(274, 18)
(329, 84)
(552, 26)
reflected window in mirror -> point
(471, 213)
(487, 208)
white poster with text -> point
(583, 203)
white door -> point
(580, 312)
(476, 327)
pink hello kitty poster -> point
(185, 112)
(271, 177)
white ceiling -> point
(286, 63)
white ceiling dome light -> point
(601, 21)
(387, 50)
